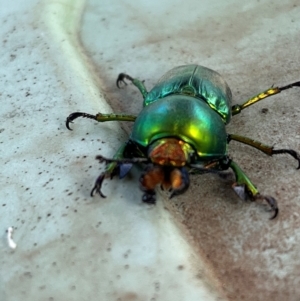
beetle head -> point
(170, 152)
(168, 158)
(174, 179)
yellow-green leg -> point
(236, 109)
(268, 150)
(99, 117)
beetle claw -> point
(121, 78)
(68, 121)
(97, 186)
(271, 201)
(241, 191)
(291, 152)
(75, 115)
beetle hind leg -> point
(272, 203)
(121, 79)
(245, 189)
(136, 82)
(245, 194)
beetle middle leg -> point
(269, 150)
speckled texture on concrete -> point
(70, 246)
(63, 56)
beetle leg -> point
(269, 150)
(236, 109)
(245, 189)
(75, 115)
(99, 117)
(110, 171)
(121, 78)
(271, 201)
(139, 84)
(112, 168)
(98, 185)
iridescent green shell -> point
(196, 81)
(183, 117)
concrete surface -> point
(58, 57)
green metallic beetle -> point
(181, 130)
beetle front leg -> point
(111, 170)
(98, 185)
(245, 189)
(109, 173)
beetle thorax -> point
(170, 152)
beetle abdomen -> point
(197, 81)
(186, 118)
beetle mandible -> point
(180, 129)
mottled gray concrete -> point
(63, 56)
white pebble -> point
(10, 241)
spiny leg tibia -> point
(99, 117)
(236, 109)
(268, 150)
